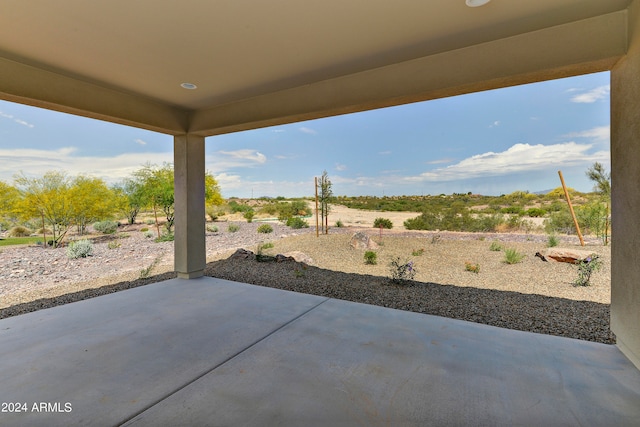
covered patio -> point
(201, 351)
(212, 352)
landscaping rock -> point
(299, 257)
(563, 255)
(362, 241)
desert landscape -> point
(528, 295)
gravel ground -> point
(532, 295)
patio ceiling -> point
(260, 63)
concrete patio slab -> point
(211, 352)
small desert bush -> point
(370, 258)
(552, 240)
(512, 256)
(212, 228)
(113, 245)
(383, 223)
(19, 231)
(473, 268)
(105, 227)
(495, 246)
(232, 228)
(144, 229)
(418, 252)
(248, 215)
(297, 222)
(80, 249)
(339, 224)
(149, 234)
(166, 237)
(265, 228)
(263, 246)
(586, 267)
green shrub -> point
(113, 245)
(248, 215)
(212, 212)
(512, 256)
(418, 252)
(265, 228)
(144, 229)
(535, 212)
(80, 249)
(370, 258)
(19, 231)
(166, 237)
(212, 228)
(267, 245)
(586, 267)
(552, 240)
(232, 228)
(149, 234)
(149, 222)
(495, 246)
(383, 223)
(105, 227)
(473, 268)
(339, 224)
(297, 222)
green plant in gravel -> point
(339, 224)
(471, 267)
(495, 246)
(383, 223)
(512, 256)
(165, 237)
(144, 229)
(149, 234)
(267, 245)
(105, 227)
(212, 228)
(370, 258)
(248, 215)
(586, 267)
(552, 240)
(265, 228)
(233, 228)
(146, 272)
(418, 252)
(113, 245)
(401, 271)
(296, 222)
(80, 249)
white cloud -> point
(384, 153)
(519, 158)
(341, 167)
(440, 161)
(140, 141)
(495, 124)
(601, 92)
(17, 120)
(35, 162)
(597, 134)
(251, 156)
(305, 129)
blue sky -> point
(489, 143)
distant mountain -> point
(543, 192)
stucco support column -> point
(189, 244)
(625, 180)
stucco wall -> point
(625, 160)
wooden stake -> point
(575, 220)
(315, 183)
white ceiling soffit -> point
(257, 63)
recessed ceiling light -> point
(189, 86)
(476, 3)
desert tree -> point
(10, 197)
(324, 195)
(129, 198)
(91, 200)
(49, 199)
(602, 185)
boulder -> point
(299, 257)
(242, 254)
(563, 255)
(361, 241)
